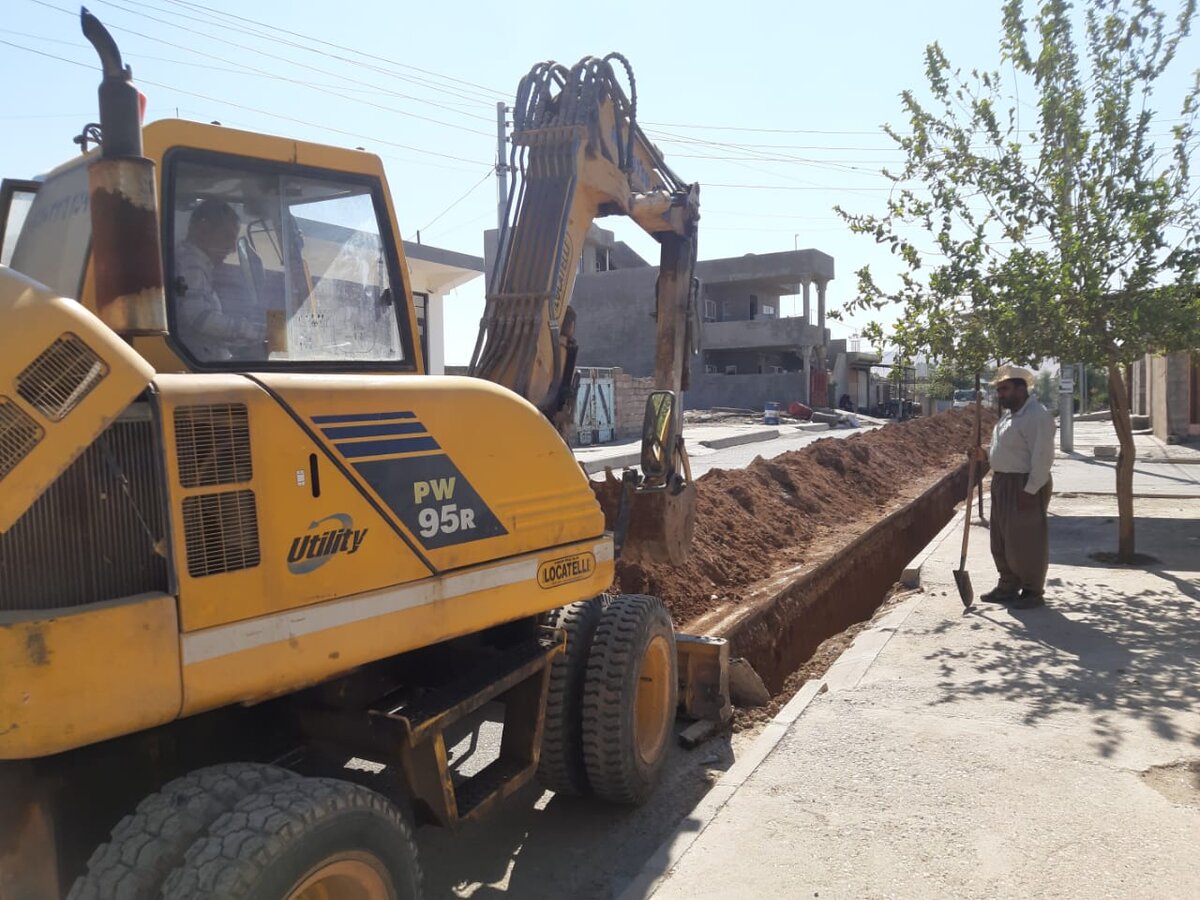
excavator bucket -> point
(652, 513)
(660, 526)
(650, 526)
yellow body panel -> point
(281, 482)
(275, 655)
(77, 676)
(502, 446)
(34, 320)
(522, 479)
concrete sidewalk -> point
(1053, 752)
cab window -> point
(51, 242)
(275, 265)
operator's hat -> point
(1014, 373)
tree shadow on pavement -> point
(1175, 543)
(1122, 647)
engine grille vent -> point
(213, 444)
(18, 435)
(98, 532)
(62, 375)
(221, 532)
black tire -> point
(618, 769)
(561, 767)
(269, 842)
(147, 844)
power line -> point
(263, 112)
(247, 69)
(492, 94)
(878, 131)
(486, 175)
(790, 187)
(271, 36)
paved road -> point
(704, 459)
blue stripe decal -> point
(338, 433)
(381, 448)
(363, 417)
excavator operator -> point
(211, 327)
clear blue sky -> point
(774, 107)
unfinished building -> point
(750, 352)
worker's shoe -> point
(996, 595)
(1029, 599)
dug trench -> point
(791, 552)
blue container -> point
(771, 413)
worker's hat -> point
(1014, 373)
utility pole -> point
(501, 165)
(1066, 409)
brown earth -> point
(796, 507)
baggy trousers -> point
(1020, 537)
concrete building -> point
(1167, 390)
(434, 273)
(750, 354)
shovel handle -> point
(962, 562)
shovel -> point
(962, 577)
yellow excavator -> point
(259, 574)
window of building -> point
(710, 310)
(767, 311)
(269, 263)
(603, 260)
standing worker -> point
(1021, 454)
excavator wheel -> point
(147, 844)
(629, 698)
(304, 839)
(561, 766)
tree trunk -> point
(1119, 407)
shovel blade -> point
(963, 579)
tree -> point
(1044, 388)
(1073, 237)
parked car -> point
(963, 398)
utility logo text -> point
(324, 539)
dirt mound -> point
(798, 506)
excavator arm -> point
(579, 155)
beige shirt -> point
(1024, 442)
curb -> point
(846, 672)
(625, 460)
(597, 466)
(734, 440)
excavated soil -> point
(797, 508)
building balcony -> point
(761, 334)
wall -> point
(614, 323)
(631, 393)
(743, 391)
(789, 332)
(1169, 394)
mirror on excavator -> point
(656, 435)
